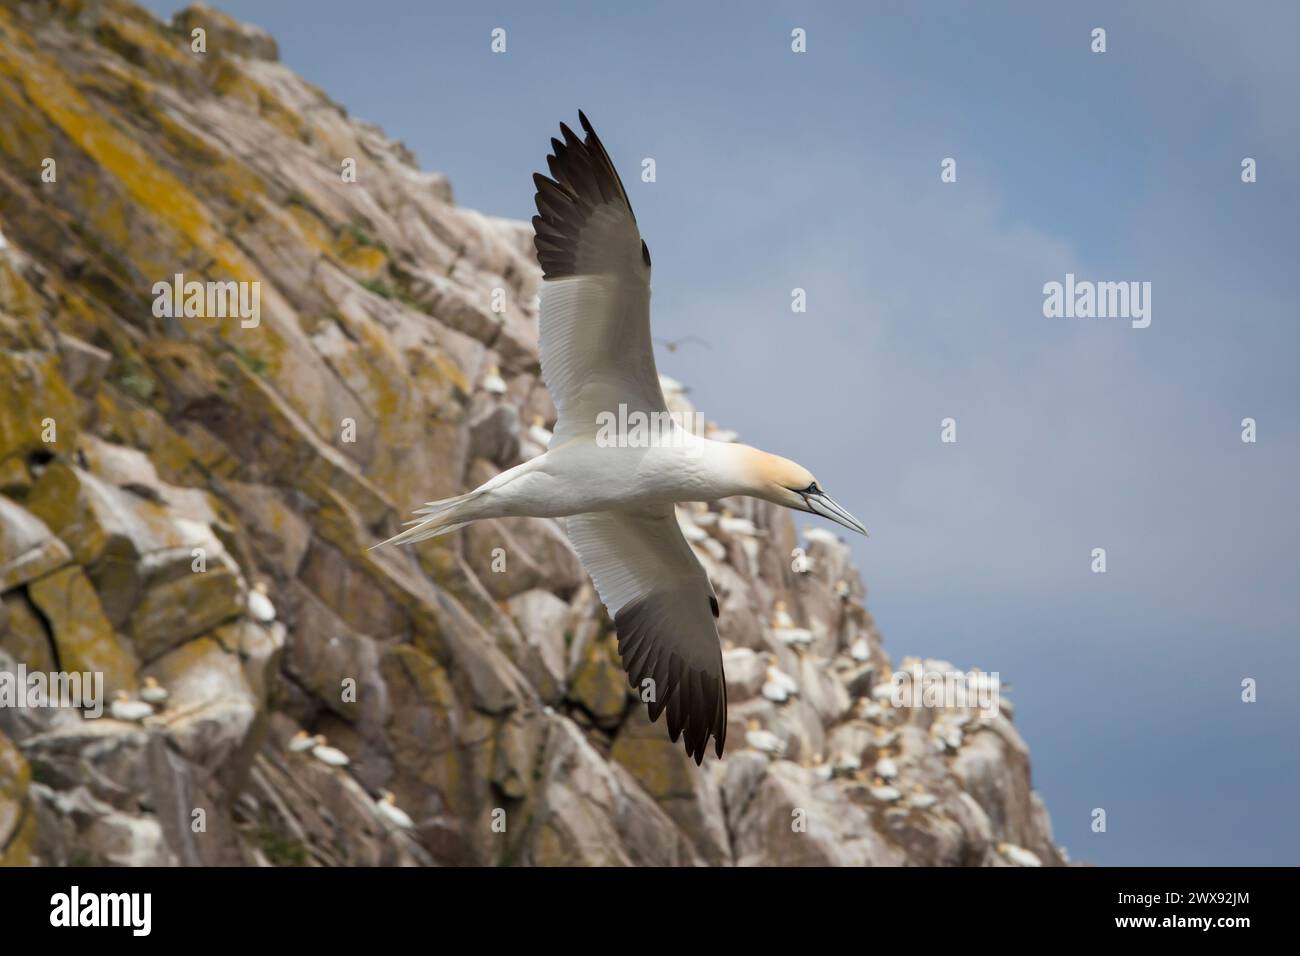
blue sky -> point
(821, 171)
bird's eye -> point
(811, 490)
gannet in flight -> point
(618, 496)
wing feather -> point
(662, 605)
(596, 349)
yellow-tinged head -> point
(791, 485)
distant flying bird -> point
(672, 345)
(598, 362)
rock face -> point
(188, 500)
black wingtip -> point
(586, 123)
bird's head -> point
(791, 485)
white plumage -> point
(391, 812)
(618, 462)
(259, 604)
(330, 756)
(152, 692)
(132, 711)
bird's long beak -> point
(826, 506)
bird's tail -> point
(435, 518)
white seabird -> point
(846, 764)
(697, 536)
(492, 382)
(736, 527)
(766, 741)
(821, 536)
(153, 692)
(784, 628)
(330, 756)
(301, 742)
(779, 686)
(390, 811)
(1019, 855)
(132, 711)
(618, 495)
(885, 767)
(920, 799)
(884, 792)
(259, 605)
(781, 619)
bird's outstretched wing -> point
(664, 611)
(595, 315)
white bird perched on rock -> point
(390, 811)
(153, 692)
(861, 650)
(618, 490)
(920, 799)
(330, 756)
(759, 739)
(798, 636)
(821, 536)
(885, 739)
(885, 767)
(779, 686)
(864, 708)
(1019, 855)
(818, 765)
(696, 535)
(259, 605)
(736, 527)
(132, 711)
(882, 691)
(946, 736)
(846, 764)
(743, 531)
(882, 791)
(302, 742)
(691, 531)
(492, 382)
(842, 590)
(783, 627)
(705, 518)
(781, 619)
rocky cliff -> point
(186, 504)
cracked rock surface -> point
(186, 503)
